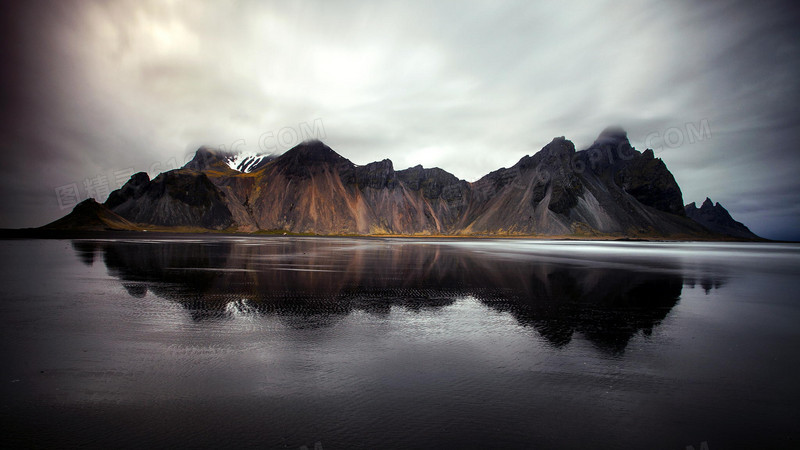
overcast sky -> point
(93, 89)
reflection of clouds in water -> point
(313, 283)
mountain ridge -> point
(717, 219)
(609, 189)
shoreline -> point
(39, 233)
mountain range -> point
(607, 190)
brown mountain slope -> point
(311, 188)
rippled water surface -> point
(398, 343)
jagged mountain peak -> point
(559, 146)
(386, 162)
(205, 157)
(717, 219)
(420, 169)
(131, 188)
(312, 151)
(137, 179)
(384, 165)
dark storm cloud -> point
(97, 87)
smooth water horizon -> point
(285, 342)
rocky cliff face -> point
(718, 220)
(174, 198)
(311, 188)
(608, 189)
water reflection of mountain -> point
(706, 282)
(326, 279)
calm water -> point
(397, 343)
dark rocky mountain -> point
(609, 190)
(174, 198)
(717, 219)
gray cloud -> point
(467, 86)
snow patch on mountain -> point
(248, 161)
